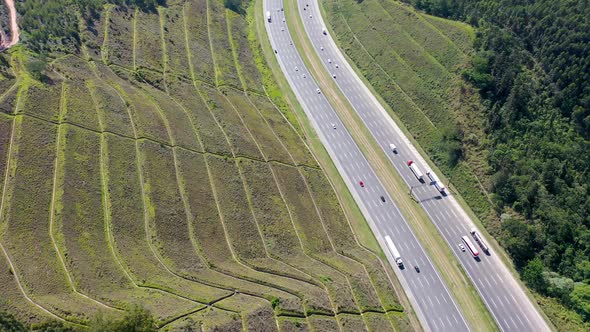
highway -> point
(504, 297)
(427, 292)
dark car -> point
(417, 268)
(382, 199)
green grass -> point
(210, 134)
(243, 57)
(8, 100)
(42, 101)
(271, 147)
(285, 133)
(78, 108)
(26, 221)
(322, 323)
(118, 46)
(225, 70)
(197, 40)
(288, 324)
(173, 31)
(228, 118)
(148, 43)
(165, 194)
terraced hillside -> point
(414, 63)
(150, 168)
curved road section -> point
(429, 295)
(504, 297)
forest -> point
(532, 68)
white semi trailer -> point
(417, 172)
(479, 241)
(437, 183)
(394, 252)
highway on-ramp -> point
(504, 297)
(426, 290)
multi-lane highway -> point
(426, 290)
(506, 300)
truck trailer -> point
(394, 252)
(479, 241)
(417, 172)
(268, 16)
(436, 181)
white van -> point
(393, 148)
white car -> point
(336, 65)
(296, 68)
(461, 246)
(329, 61)
(334, 76)
(304, 76)
(310, 16)
(321, 48)
(317, 90)
(334, 125)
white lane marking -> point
(441, 322)
(448, 320)
(437, 300)
(494, 303)
(520, 320)
(427, 282)
(431, 303)
(500, 300)
(489, 283)
(456, 320)
(513, 322)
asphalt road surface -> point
(428, 293)
(504, 297)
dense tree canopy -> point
(533, 71)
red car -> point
(362, 184)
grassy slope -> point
(151, 154)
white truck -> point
(394, 252)
(393, 148)
(417, 172)
(437, 182)
(324, 31)
(479, 241)
(268, 16)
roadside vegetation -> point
(149, 182)
(500, 111)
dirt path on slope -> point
(14, 32)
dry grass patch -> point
(42, 101)
(8, 102)
(289, 324)
(323, 323)
(244, 59)
(352, 323)
(78, 106)
(110, 108)
(174, 38)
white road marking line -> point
(494, 303)
(429, 300)
(437, 300)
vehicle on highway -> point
(334, 76)
(362, 184)
(317, 90)
(417, 172)
(310, 16)
(472, 249)
(396, 256)
(268, 16)
(479, 241)
(337, 66)
(461, 246)
(304, 76)
(296, 68)
(329, 61)
(417, 268)
(393, 148)
(321, 48)
(324, 31)
(436, 181)
(334, 125)
(283, 20)
(382, 199)
(276, 52)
